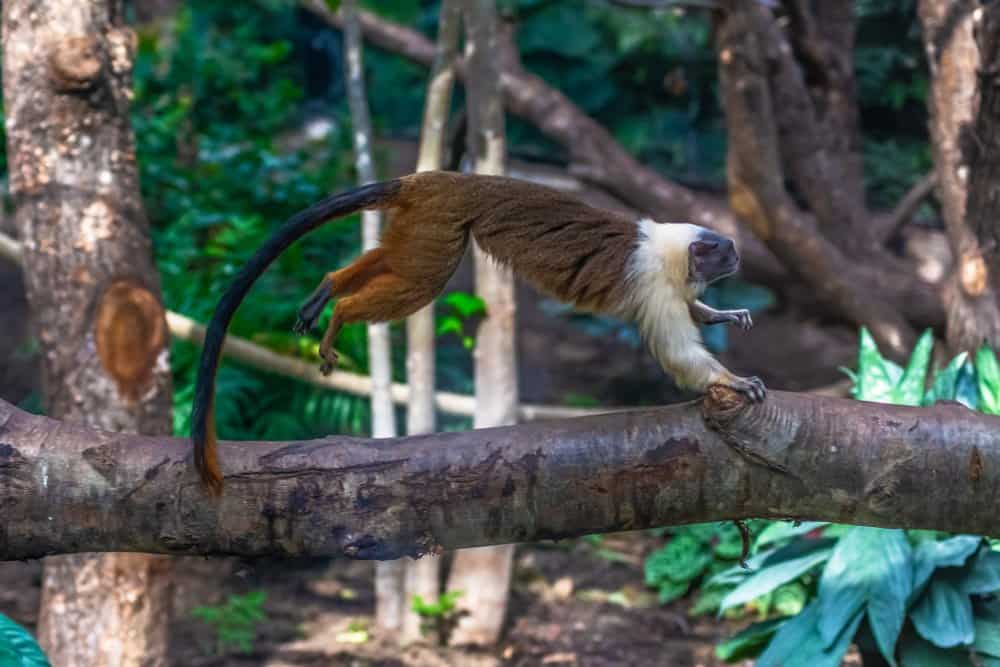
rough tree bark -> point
(964, 140)
(483, 575)
(390, 603)
(596, 155)
(781, 123)
(794, 456)
(93, 291)
(423, 576)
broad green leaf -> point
(797, 643)
(17, 647)
(917, 652)
(910, 390)
(943, 615)
(931, 554)
(748, 642)
(945, 383)
(873, 566)
(770, 577)
(790, 599)
(987, 637)
(988, 372)
(783, 530)
(671, 590)
(983, 575)
(877, 377)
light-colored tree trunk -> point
(483, 575)
(93, 291)
(954, 60)
(422, 576)
(390, 605)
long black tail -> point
(375, 195)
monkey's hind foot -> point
(752, 387)
(328, 364)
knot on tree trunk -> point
(130, 331)
(75, 63)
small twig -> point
(907, 206)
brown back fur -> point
(564, 247)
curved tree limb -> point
(68, 488)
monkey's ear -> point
(703, 248)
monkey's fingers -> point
(742, 319)
(752, 387)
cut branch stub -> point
(130, 331)
(75, 63)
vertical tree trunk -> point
(423, 575)
(483, 575)
(964, 145)
(390, 605)
(94, 294)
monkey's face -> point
(711, 256)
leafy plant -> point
(438, 617)
(926, 598)
(17, 647)
(235, 622)
(462, 307)
(692, 552)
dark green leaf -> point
(988, 371)
(983, 575)
(17, 646)
(748, 642)
(870, 565)
(943, 615)
(783, 530)
(917, 652)
(770, 577)
(798, 643)
(910, 390)
(987, 637)
(931, 554)
(945, 384)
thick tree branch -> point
(69, 488)
(891, 223)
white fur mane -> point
(661, 294)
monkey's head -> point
(711, 256)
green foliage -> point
(439, 617)
(235, 622)
(692, 552)
(462, 307)
(444, 606)
(17, 647)
(927, 597)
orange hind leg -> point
(384, 297)
(345, 281)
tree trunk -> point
(423, 576)
(483, 575)
(390, 605)
(963, 136)
(93, 291)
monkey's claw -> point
(752, 387)
(329, 363)
(742, 319)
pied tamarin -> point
(648, 272)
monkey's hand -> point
(740, 318)
(752, 387)
(704, 314)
